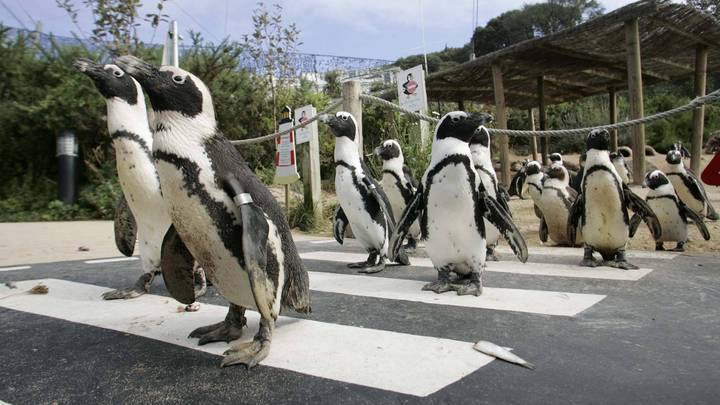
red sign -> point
(711, 174)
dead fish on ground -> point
(491, 349)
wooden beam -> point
(501, 122)
(701, 57)
(351, 90)
(672, 63)
(542, 117)
(620, 76)
(635, 97)
(682, 32)
(533, 141)
(612, 96)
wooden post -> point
(309, 158)
(351, 103)
(542, 118)
(612, 96)
(635, 97)
(533, 141)
(461, 105)
(501, 122)
(701, 57)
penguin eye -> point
(179, 79)
(118, 73)
(344, 117)
(455, 119)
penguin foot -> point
(680, 247)
(373, 268)
(402, 257)
(439, 287)
(620, 264)
(247, 353)
(226, 331)
(590, 263)
(141, 287)
(659, 246)
(491, 256)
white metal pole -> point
(422, 26)
(176, 55)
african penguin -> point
(576, 180)
(621, 167)
(533, 180)
(481, 156)
(452, 205)
(687, 186)
(671, 212)
(363, 204)
(555, 202)
(556, 160)
(601, 208)
(398, 184)
(142, 212)
(221, 213)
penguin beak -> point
(89, 67)
(145, 73)
(378, 151)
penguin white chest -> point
(369, 233)
(196, 222)
(453, 237)
(604, 228)
(390, 187)
(674, 229)
(556, 214)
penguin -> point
(517, 182)
(141, 213)
(535, 179)
(556, 160)
(576, 180)
(687, 186)
(600, 211)
(481, 156)
(363, 204)
(671, 212)
(398, 184)
(621, 167)
(452, 204)
(222, 215)
(556, 199)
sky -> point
(380, 29)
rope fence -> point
(697, 102)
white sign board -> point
(411, 89)
(304, 134)
(285, 163)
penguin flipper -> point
(377, 192)
(339, 225)
(494, 213)
(634, 224)
(574, 216)
(640, 207)
(538, 211)
(697, 219)
(409, 177)
(177, 265)
(502, 191)
(125, 228)
(412, 210)
(503, 202)
(544, 231)
(517, 182)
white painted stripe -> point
(323, 241)
(502, 299)
(578, 252)
(536, 269)
(399, 362)
(3, 403)
(112, 260)
(14, 268)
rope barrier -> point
(710, 98)
(697, 102)
(310, 120)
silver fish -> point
(491, 349)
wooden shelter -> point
(642, 43)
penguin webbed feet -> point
(226, 331)
(588, 259)
(659, 246)
(680, 247)
(470, 285)
(619, 262)
(253, 352)
(374, 264)
(442, 284)
(141, 287)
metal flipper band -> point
(242, 199)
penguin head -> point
(343, 124)
(532, 167)
(598, 139)
(555, 158)
(655, 179)
(110, 80)
(170, 88)
(460, 125)
(481, 136)
(389, 149)
(556, 172)
(673, 157)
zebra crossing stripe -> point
(112, 260)
(399, 362)
(536, 269)
(13, 269)
(578, 252)
(501, 299)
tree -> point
(711, 7)
(271, 45)
(332, 83)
